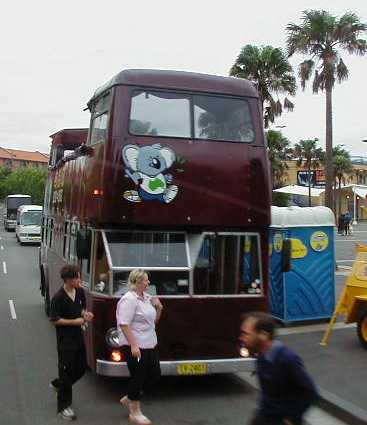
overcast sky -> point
(55, 54)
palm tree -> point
(342, 165)
(309, 156)
(279, 152)
(322, 37)
(269, 68)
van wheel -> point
(362, 329)
(47, 301)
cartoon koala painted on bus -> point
(147, 167)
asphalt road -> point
(28, 362)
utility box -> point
(307, 290)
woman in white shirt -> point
(137, 314)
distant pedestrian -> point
(347, 220)
(287, 390)
(341, 224)
(68, 313)
(137, 314)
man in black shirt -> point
(69, 315)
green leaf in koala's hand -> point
(155, 184)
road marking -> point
(343, 273)
(313, 328)
(350, 240)
(12, 310)
(2, 247)
(4, 267)
(344, 261)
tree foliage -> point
(322, 37)
(342, 164)
(269, 68)
(28, 181)
(279, 151)
(308, 156)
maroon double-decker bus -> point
(172, 177)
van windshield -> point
(31, 218)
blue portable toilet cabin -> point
(307, 291)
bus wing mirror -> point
(83, 244)
(287, 255)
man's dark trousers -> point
(72, 366)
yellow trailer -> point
(353, 300)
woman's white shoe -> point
(136, 416)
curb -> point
(329, 402)
(342, 409)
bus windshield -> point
(166, 114)
(31, 218)
(147, 250)
(14, 202)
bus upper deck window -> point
(99, 121)
(160, 114)
(221, 118)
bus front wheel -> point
(362, 329)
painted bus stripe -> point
(12, 310)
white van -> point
(28, 228)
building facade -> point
(351, 196)
(15, 158)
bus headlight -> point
(244, 352)
(112, 338)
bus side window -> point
(101, 269)
(85, 270)
(99, 120)
(45, 231)
(65, 243)
(51, 232)
(73, 259)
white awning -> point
(300, 190)
(360, 191)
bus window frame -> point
(94, 115)
(189, 269)
(261, 275)
(50, 232)
(190, 95)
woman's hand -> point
(156, 303)
(135, 351)
(88, 316)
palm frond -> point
(288, 105)
(342, 71)
(305, 70)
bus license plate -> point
(192, 369)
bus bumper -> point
(171, 368)
(30, 239)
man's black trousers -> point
(143, 373)
(72, 366)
